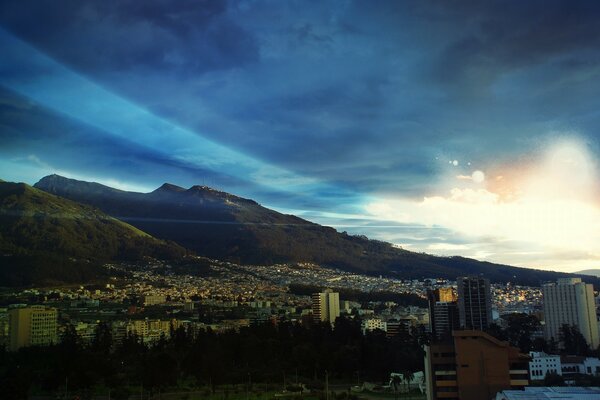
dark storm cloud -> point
(372, 96)
(502, 36)
(100, 36)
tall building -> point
(32, 326)
(443, 312)
(326, 306)
(570, 302)
(473, 366)
(4, 338)
(474, 302)
(446, 319)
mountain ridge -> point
(42, 234)
(221, 225)
(592, 272)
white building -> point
(542, 364)
(570, 302)
(371, 324)
(547, 393)
(574, 365)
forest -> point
(257, 355)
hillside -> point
(220, 225)
(591, 272)
(46, 237)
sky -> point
(452, 128)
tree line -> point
(264, 354)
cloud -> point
(188, 36)
(552, 211)
(366, 100)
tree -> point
(497, 331)
(540, 344)
(520, 328)
(408, 376)
(102, 341)
(573, 341)
(553, 379)
(395, 382)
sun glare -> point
(548, 205)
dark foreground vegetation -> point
(257, 355)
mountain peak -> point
(201, 188)
(52, 178)
(168, 187)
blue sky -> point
(349, 113)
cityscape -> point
(299, 200)
(519, 337)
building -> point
(547, 393)
(446, 295)
(473, 366)
(394, 327)
(154, 299)
(32, 326)
(4, 341)
(371, 324)
(444, 318)
(474, 303)
(326, 306)
(577, 365)
(86, 331)
(570, 302)
(542, 364)
(443, 312)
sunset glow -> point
(543, 210)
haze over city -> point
(452, 128)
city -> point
(299, 200)
(152, 304)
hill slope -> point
(43, 236)
(221, 225)
(592, 272)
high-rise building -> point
(446, 319)
(4, 338)
(326, 306)
(443, 312)
(570, 302)
(474, 302)
(473, 366)
(32, 326)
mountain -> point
(44, 237)
(220, 225)
(591, 272)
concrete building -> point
(443, 312)
(4, 333)
(32, 326)
(570, 302)
(542, 364)
(474, 302)
(326, 306)
(371, 324)
(577, 365)
(86, 331)
(473, 366)
(547, 393)
(154, 299)
(445, 319)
